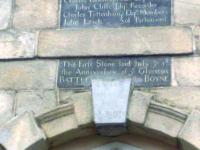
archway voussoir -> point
(164, 121)
(61, 124)
(23, 133)
(83, 108)
(189, 135)
(138, 107)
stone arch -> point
(75, 120)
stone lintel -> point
(108, 41)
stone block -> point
(82, 102)
(92, 42)
(35, 14)
(65, 96)
(187, 70)
(17, 44)
(83, 108)
(5, 9)
(22, 133)
(62, 125)
(110, 102)
(187, 12)
(170, 121)
(63, 118)
(36, 101)
(171, 128)
(138, 106)
(185, 98)
(190, 133)
(6, 105)
(31, 74)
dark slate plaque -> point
(144, 71)
(115, 13)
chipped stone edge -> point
(163, 110)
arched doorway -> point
(123, 142)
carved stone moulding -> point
(61, 125)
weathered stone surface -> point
(36, 101)
(83, 108)
(170, 121)
(161, 40)
(17, 44)
(187, 70)
(5, 9)
(63, 124)
(65, 96)
(35, 14)
(6, 105)
(187, 12)
(27, 75)
(22, 133)
(62, 118)
(110, 102)
(186, 98)
(82, 102)
(171, 128)
(138, 106)
(190, 133)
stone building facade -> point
(36, 114)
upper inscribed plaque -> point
(115, 13)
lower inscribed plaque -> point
(76, 73)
